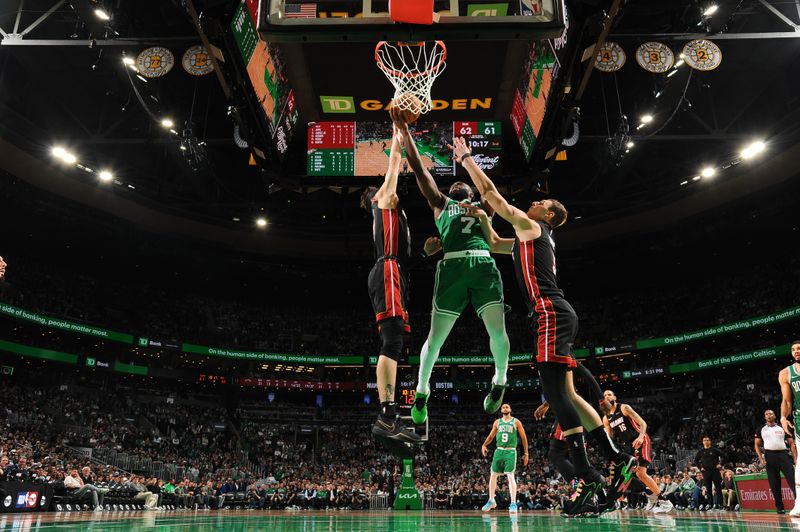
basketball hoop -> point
(412, 67)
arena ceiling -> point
(63, 83)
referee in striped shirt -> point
(775, 456)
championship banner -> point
(64, 325)
(155, 62)
(702, 54)
(755, 495)
(610, 57)
(655, 57)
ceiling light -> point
(629, 144)
(167, 123)
(144, 80)
(696, 178)
(106, 176)
(684, 183)
(646, 119)
(261, 222)
(672, 73)
(679, 63)
(710, 10)
(69, 158)
(128, 60)
(753, 149)
(708, 172)
(58, 151)
(101, 14)
(659, 93)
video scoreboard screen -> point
(362, 148)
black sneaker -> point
(581, 500)
(620, 474)
(394, 429)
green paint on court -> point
(385, 521)
(425, 151)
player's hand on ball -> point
(397, 119)
(432, 245)
(460, 148)
(485, 451)
(540, 412)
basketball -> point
(410, 107)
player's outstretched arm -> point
(387, 194)
(786, 400)
(489, 191)
(436, 200)
(524, 438)
(496, 243)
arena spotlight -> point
(69, 158)
(101, 14)
(128, 60)
(753, 149)
(646, 119)
(105, 176)
(696, 178)
(708, 172)
(167, 123)
(679, 63)
(710, 10)
(58, 151)
(672, 73)
(261, 222)
(629, 144)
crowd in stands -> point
(311, 463)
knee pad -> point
(392, 338)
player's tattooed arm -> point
(524, 438)
(786, 400)
(631, 413)
(496, 243)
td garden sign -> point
(348, 105)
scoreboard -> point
(359, 149)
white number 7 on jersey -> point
(470, 222)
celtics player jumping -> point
(504, 432)
(467, 274)
(789, 377)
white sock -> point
(494, 319)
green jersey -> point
(459, 232)
(506, 434)
(794, 382)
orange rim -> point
(395, 73)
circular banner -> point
(655, 57)
(155, 62)
(197, 62)
(702, 54)
(610, 57)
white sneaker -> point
(652, 502)
(663, 506)
(795, 512)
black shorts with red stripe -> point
(555, 324)
(388, 291)
(644, 453)
(556, 433)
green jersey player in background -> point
(789, 378)
(505, 431)
(467, 274)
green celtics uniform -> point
(467, 273)
(505, 456)
(794, 382)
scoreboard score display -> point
(359, 149)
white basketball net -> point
(412, 68)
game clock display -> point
(361, 149)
